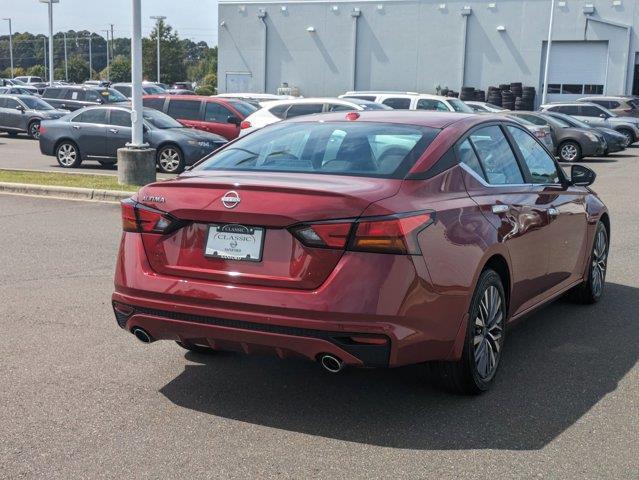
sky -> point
(194, 19)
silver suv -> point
(23, 114)
(597, 116)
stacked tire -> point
(527, 100)
(507, 100)
(480, 96)
(494, 96)
(467, 93)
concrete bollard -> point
(136, 166)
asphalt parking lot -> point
(82, 399)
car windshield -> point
(243, 107)
(556, 122)
(153, 90)
(36, 80)
(608, 112)
(459, 106)
(337, 148)
(18, 82)
(157, 119)
(523, 121)
(34, 103)
(110, 95)
(572, 121)
(368, 105)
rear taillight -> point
(390, 234)
(42, 129)
(245, 124)
(142, 219)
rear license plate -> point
(235, 242)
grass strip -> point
(78, 180)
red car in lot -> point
(220, 116)
(367, 239)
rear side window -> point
(11, 103)
(120, 118)
(97, 115)
(336, 107)
(337, 148)
(496, 156)
(124, 90)
(429, 104)
(53, 93)
(155, 103)
(589, 111)
(73, 94)
(533, 119)
(468, 157)
(398, 103)
(279, 111)
(214, 112)
(541, 166)
(3, 102)
(184, 109)
(567, 109)
(304, 109)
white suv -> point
(272, 112)
(411, 101)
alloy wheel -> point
(488, 331)
(170, 159)
(34, 130)
(599, 262)
(569, 152)
(67, 155)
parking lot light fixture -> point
(158, 19)
(50, 5)
(10, 44)
(544, 95)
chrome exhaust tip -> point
(331, 364)
(142, 335)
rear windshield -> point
(337, 148)
(459, 106)
(244, 108)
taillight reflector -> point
(245, 124)
(326, 235)
(142, 219)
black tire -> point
(628, 134)
(33, 130)
(68, 155)
(170, 159)
(196, 348)
(471, 375)
(569, 151)
(591, 290)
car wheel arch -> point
(66, 139)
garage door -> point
(576, 69)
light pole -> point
(90, 57)
(44, 52)
(10, 44)
(66, 64)
(50, 5)
(544, 94)
(158, 19)
(108, 67)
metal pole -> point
(544, 95)
(90, 57)
(51, 75)
(66, 64)
(112, 42)
(108, 67)
(158, 19)
(137, 135)
(44, 51)
(10, 44)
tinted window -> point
(593, 89)
(3, 102)
(11, 103)
(554, 88)
(468, 157)
(334, 107)
(156, 103)
(121, 118)
(53, 93)
(124, 90)
(572, 89)
(459, 106)
(567, 109)
(613, 104)
(428, 104)
(304, 109)
(279, 111)
(339, 148)
(590, 111)
(71, 94)
(214, 112)
(541, 165)
(160, 120)
(533, 119)
(243, 107)
(35, 103)
(496, 156)
(96, 115)
(398, 103)
(184, 109)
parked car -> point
(623, 106)
(542, 132)
(23, 114)
(272, 112)
(572, 143)
(373, 253)
(179, 91)
(215, 115)
(615, 141)
(182, 85)
(32, 81)
(147, 89)
(96, 133)
(16, 90)
(8, 82)
(485, 107)
(412, 101)
(79, 96)
(597, 116)
(258, 97)
(97, 83)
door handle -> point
(553, 212)
(113, 130)
(500, 208)
(77, 127)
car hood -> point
(193, 134)
(52, 113)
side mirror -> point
(20, 108)
(234, 120)
(581, 176)
(145, 129)
(603, 115)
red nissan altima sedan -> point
(368, 239)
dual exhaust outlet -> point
(329, 362)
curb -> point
(65, 192)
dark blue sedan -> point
(96, 133)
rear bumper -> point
(388, 299)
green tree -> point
(120, 70)
(78, 69)
(36, 71)
(172, 55)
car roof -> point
(568, 104)
(309, 100)
(192, 98)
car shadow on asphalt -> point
(558, 363)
